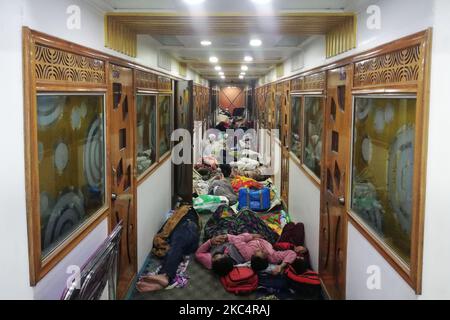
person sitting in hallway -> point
(183, 241)
(252, 247)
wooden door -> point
(285, 176)
(183, 119)
(284, 137)
(123, 180)
(334, 187)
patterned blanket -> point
(224, 221)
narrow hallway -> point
(225, 150)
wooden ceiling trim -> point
(341, 38)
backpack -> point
(240, 280)
(256, 200)
(306, 284)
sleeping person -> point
(183, 241)
(251, 247)
(219, 255)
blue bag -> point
(255, 200)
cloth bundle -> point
(245, 164)
(276, 220)
(223, 188)
(209, 203)
(244, 182)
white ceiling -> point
(223, 6)
(230, 49)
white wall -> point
(399, 18)
(360, 257)
(153, 202)
(276, 157)
(14, 279)
(49, 16)
(304, 206)
(437, 219)
(54, 283)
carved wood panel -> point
(398, 67)
(333, 221)
(123, 180)
(297, 84)
(164, 83)
(61, 66)
(314, 81)
(146, 80)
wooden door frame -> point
(132, 146)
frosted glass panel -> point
(313, 132)
(383, 167)
(164, 130)
(71, 164)
(145, 132)
(296, 146)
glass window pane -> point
(296, 126)
(278, 112)
(164, 124)
(313, 131)
(145, 132)
(383, 167)
(71, 164)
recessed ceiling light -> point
(241, 77)
(194, 1)
(242, 74)
(261, 1)
(244, 68)
(221, 73)
(213, 59)
(218, 68)
(248, 58)
(223, 77)
(205, 43)
(255, 42)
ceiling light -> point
(261, 1)
(244, 68)
(221, 73)
(223, 77)
(255, 42)
(241, 77)
(248, 58)
(213, 59)
(205, 43)
(194, 2)
(242, 74)
(218, 68)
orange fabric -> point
(244, 182)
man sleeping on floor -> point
(183, 240)
(223, 252)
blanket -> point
(235, 224)
(276, 220)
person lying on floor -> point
(183, 241)
(251, 247)
(219, 254)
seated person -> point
(219, 255)
(183, 241)
(252, 248)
